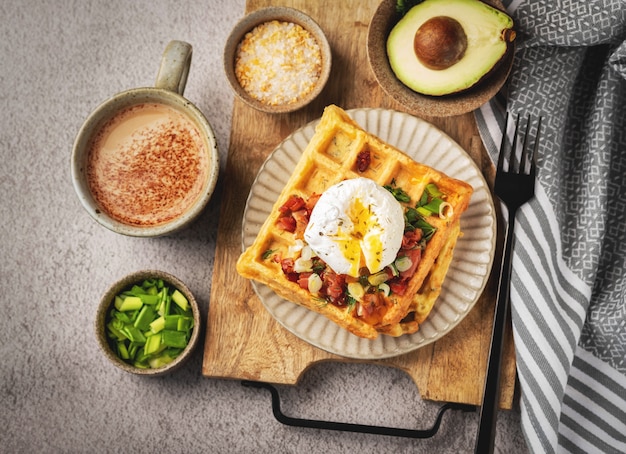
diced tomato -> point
(334, 285)
(398, 287)
(363, 160)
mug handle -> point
(174, 68)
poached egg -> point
(356, 223)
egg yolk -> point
(361, 245)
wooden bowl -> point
(381, 24)
(281, 14)
(106, 303)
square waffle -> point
(335, 153)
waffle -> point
(335, 153)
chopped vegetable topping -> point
(432, 202)
(398, 193)
(145, 329)
(367, 295)
(363, 160)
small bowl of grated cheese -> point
(277, 59)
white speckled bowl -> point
(285, 15)
(103, 312)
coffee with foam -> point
(148, 165)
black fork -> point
(514, 187)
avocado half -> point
(441, 47)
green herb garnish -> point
(267, 254)
(430, 201)
(414, 220)
(399, 193)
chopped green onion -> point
(314, 283)
(145, 329)
(433, 190)
(356, 290)
(445, 210)
(432, 207)
(399, 193)
(384, 287)
(378, 278)
(130, 303)
(173, 338)
(180, 299)
(154, 345)
(147, 298)
(414, 220)
(157, 324)
(145, 317)
(403, 263)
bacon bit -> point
(303, 280)
(287, 223)
(293, 203)
(287, 267)
(312, 201)
(301, 219)
(411, 238)
(363, 160)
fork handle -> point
(491, 393)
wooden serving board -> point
(243, 341)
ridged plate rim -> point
(473, 256)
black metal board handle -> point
(349, 427)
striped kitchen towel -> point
(568, 289)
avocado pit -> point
(440, 42)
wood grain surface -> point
(243, 341)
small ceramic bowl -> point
(281, 14)
(106, 303)
(381, 24)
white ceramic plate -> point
(473, 255)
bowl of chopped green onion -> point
(148, 323)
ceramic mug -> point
(145, 162)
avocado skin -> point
(489, 33)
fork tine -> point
(533, 163)
(503, 142)
(525, 159)
(514, 145)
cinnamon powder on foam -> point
(148, 165)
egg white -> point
(356, 223)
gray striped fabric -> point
(568, 291)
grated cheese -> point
(278, 63)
